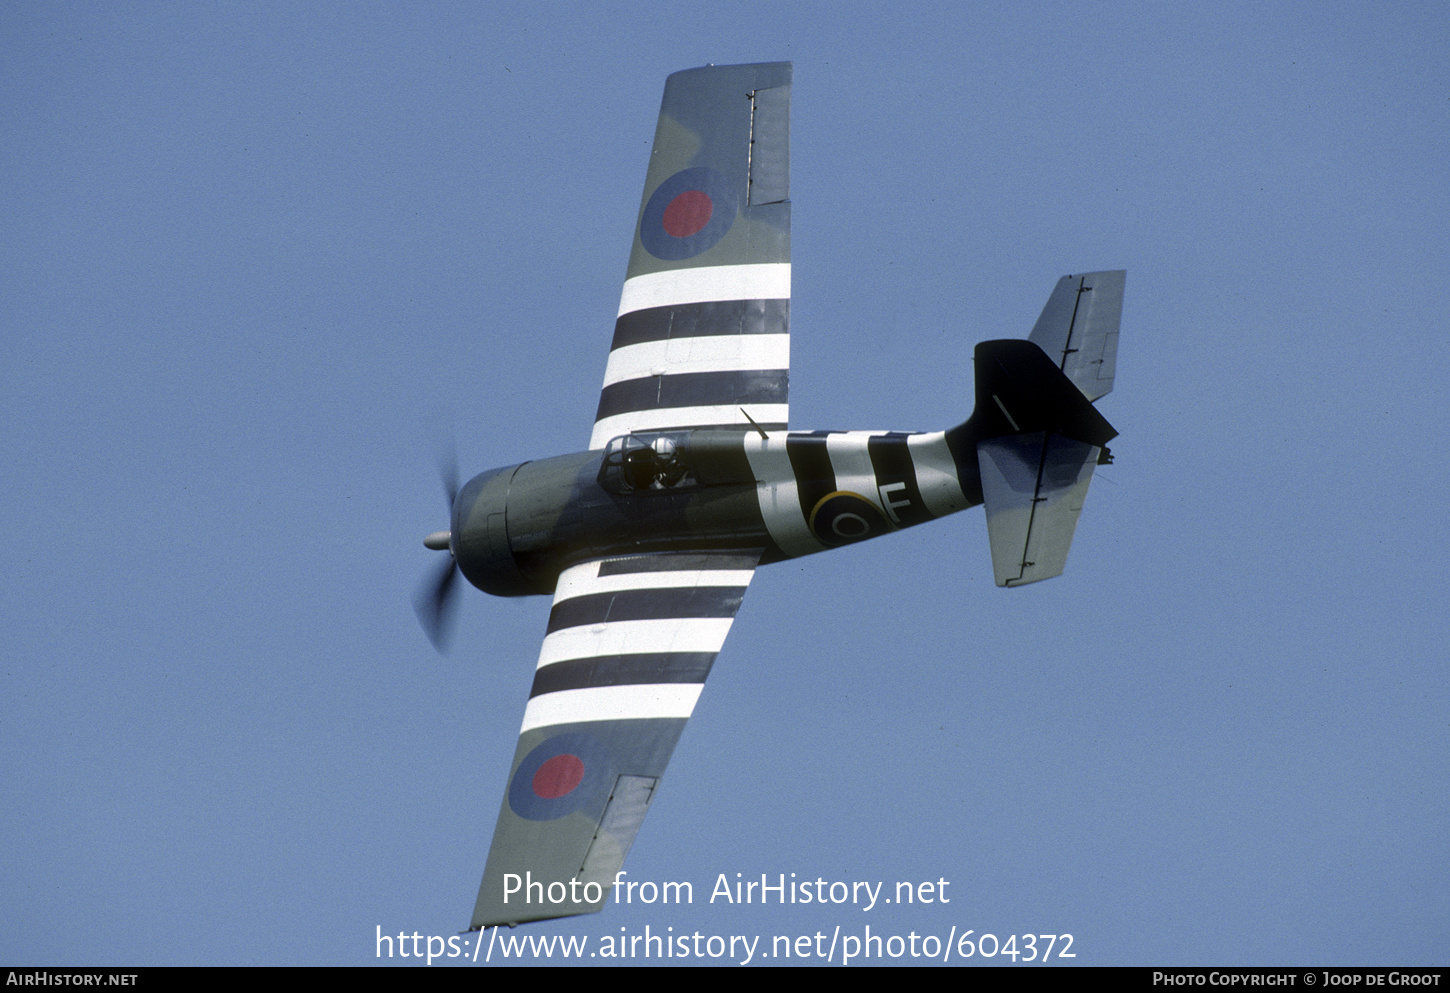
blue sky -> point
(257, 259)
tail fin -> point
(1078, 329)
(1037, 438)
(1020, 390)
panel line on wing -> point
(694, 389)
(694, 576)
(711, 565)
(702, 320)
(716, 353)
(771, 416)
(619, 670)
(613, 703)
(645, 604)
(670, 634)
(704, 284)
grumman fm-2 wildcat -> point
(692, 479)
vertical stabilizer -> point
(1078, 329)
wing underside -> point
(629, 643)
(704, 318)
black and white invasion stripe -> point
(693, 346)
(633, 638)
(908, 478)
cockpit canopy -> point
(650, 462)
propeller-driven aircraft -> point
(692, 479)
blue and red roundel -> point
(561, 775)
(688, 214)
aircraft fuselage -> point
(516, 528)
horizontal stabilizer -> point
(1078, 329)
(1033, 487)
(1039, 437)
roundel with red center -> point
(842, 517)
(566, 773)
(687, 214)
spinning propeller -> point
(435, 602)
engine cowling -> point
(480, 534)
(514, 528)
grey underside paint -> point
(563, 849)
(708, 118)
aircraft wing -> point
(629, 643)
(704, 318)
